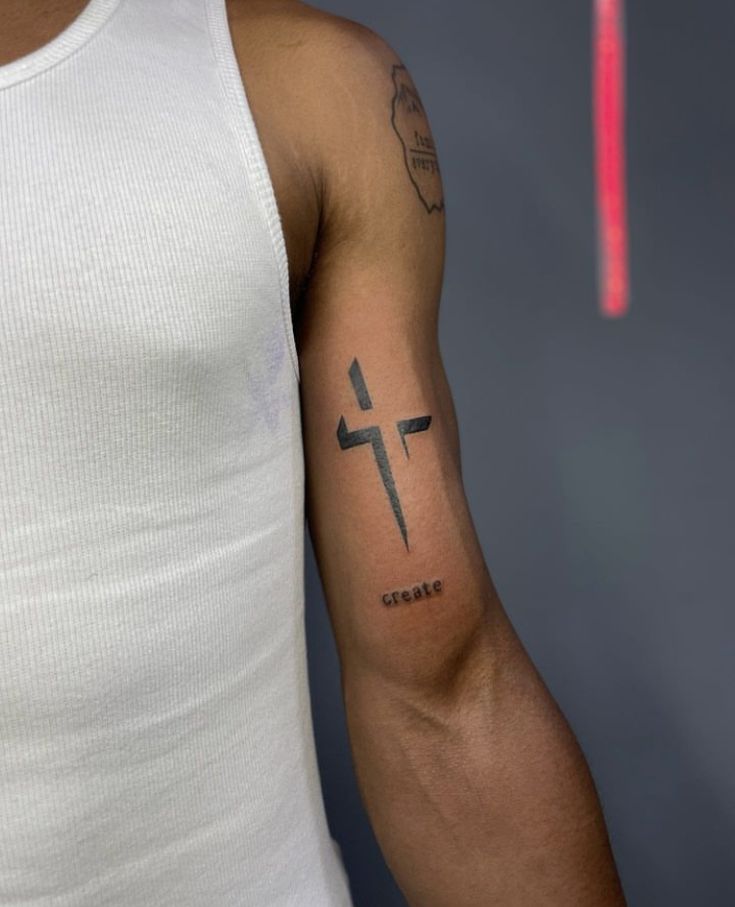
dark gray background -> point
(597, 454)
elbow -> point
(436, 653)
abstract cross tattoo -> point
(373, 435)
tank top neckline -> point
(87, 23)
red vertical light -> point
(609, 126)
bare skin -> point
(475, 786)
(29, 24)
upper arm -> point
(385, 502)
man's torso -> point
(264, 33)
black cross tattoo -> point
(373, 435)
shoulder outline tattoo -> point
(422, 155)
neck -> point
(29, 24)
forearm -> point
(476, 789)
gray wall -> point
(597, 455)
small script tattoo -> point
(412, 128)
(374, 436)
(412, 593)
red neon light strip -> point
(609, 125)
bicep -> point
(385, 503)
(399, 559)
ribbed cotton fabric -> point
(156, 745)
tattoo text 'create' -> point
(413, 593)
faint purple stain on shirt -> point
(267, 392)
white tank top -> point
(156, 745)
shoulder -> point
(323, 74)
(345, 133)
(336, 87)
(300, 67)
(288, 27)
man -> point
(156, 740)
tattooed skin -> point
(419, 153)
(373, 435)
(412, 593)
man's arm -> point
(473, 781)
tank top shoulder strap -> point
(202, 47)
(243, 123)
